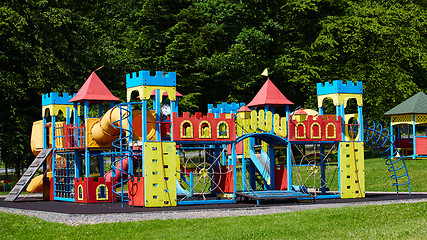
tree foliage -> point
(217, 47)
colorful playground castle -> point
(144, 153)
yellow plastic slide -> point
(36, 184)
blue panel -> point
(64, 199)
(183, 203)
(225, 107)
(321, 197)
(141, 78)
(264, 173)
(54, 98)
(338, 86)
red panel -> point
(239, 148)
(421, 145)
(281, 181)
(404, 143)
(136, 192)
(313, 125)
(89, 189)
(315, 131)
(198, 119)
(225, 179)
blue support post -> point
(191, 184)
(234, 162)
(360, 121)
(174, 108)
(53, 155)
(288, 153)
(244, 188)
(87, 153)
(224, 156)
(252, 182)
(77, 164)
(414, 133)
(322, 170)
(272, 156)
(101, 166)
(67, 116)
(339, 170)
(100, 109)
(391, 134)
(157, 102)
(76, 113)
(130, 158)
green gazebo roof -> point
(414, 104)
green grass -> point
(398, 221)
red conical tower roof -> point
(269, 94)
(93, 90)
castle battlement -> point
(144, 78)
(225, 107)
(54, 98)
(338, 86)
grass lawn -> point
(377, 177)
(397, 221)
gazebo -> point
(408, 123)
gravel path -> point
(78, 219)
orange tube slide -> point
(106, 130)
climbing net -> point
(308, 168)
(202, 173)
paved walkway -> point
(189, 213)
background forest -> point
(217, 47)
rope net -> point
(203, 173)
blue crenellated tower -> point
(350, 151)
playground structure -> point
(408, 123)
(167, 159)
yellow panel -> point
(246, 153)
(402, 119)
(284, 127)
(340, 99)
(60, 134)
(276, 125)
(347, 117)
(254, 121)
(37, 137)
(55, 108)
(261, 120)
(90, 142)
(145, 92)
(420, 118)
(269, 121)
(160, 174)
(352, 161)
(239, 126)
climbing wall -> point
(64, 175)
(160, 174)
(352, 167)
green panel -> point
(160, 174)
(351, 162)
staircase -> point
(28, 175)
